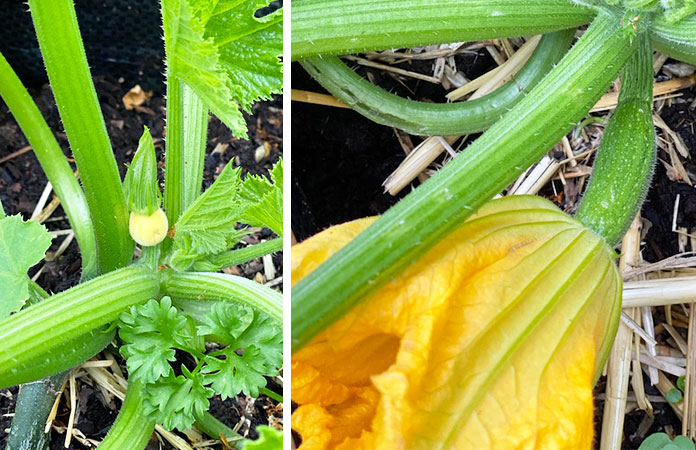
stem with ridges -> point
(219, 286)
(66, 64)
(132, 430)
(77, 317)
(187, 130)
(437, 119)
(481, 171)
(239, 256)
(322, 27)
(677, 40)
(53, 162)
(626, 158)
(211, 426)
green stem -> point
(211, 426)
(76, 319)
(677, 40)
(270, 393)
(437, 119)
(132, 430)
(218, 286)
(239, 256)
(150, 256)
(53, 162)
(489, 164)
(321, 27)
(187, 130)
(71, 82)
(626, 157)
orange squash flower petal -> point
(490, 340)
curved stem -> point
(53, 162)
(211, 426)
(626, 158)
(66, 64)
(239, 256)
(219, 286)
(132, 430)
(76, 318)
(481, 171)
(321, 27)
(437, 119)
(677, 40)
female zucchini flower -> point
(492, 339)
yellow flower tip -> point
(490, 340)
(148, 230)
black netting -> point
(123, 38)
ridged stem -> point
(240, 256)
(219, 286)
(677, 40)
(322, 27)
(626, 158)
(132, 430)
(211, 426)
(66, 64)
(53, 162)
(77, 319)
(187, 131)
(437, 119)
(481, 171)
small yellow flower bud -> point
(148, 230)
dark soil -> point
(341, 159)
(21, 184)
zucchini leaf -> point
(207, 227)
(22, 244)
(229, 57)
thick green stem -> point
(218, 286)
(239, 256)
(76, 319)
(132, 430)
(187, 130)
(53, 162)
(481, 171)
(437, 119)
(677, 40)
(626, 158)
(68, 72)
(214, 428)
(321, 27)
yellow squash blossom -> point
(490, 340)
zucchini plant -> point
(444, 397)
(220, 59)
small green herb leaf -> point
(269, 439)
(681, 383)
(254, 349)
(224, 53)
(674, 396)
(152, 331)
(22, 244)
(264, 200)
(661, 441)
(140, 186)
(176, 401)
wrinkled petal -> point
(490, 340)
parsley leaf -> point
(254, 349)
(22, 244)
(151, 332)
(224, 53)
(176, 401)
